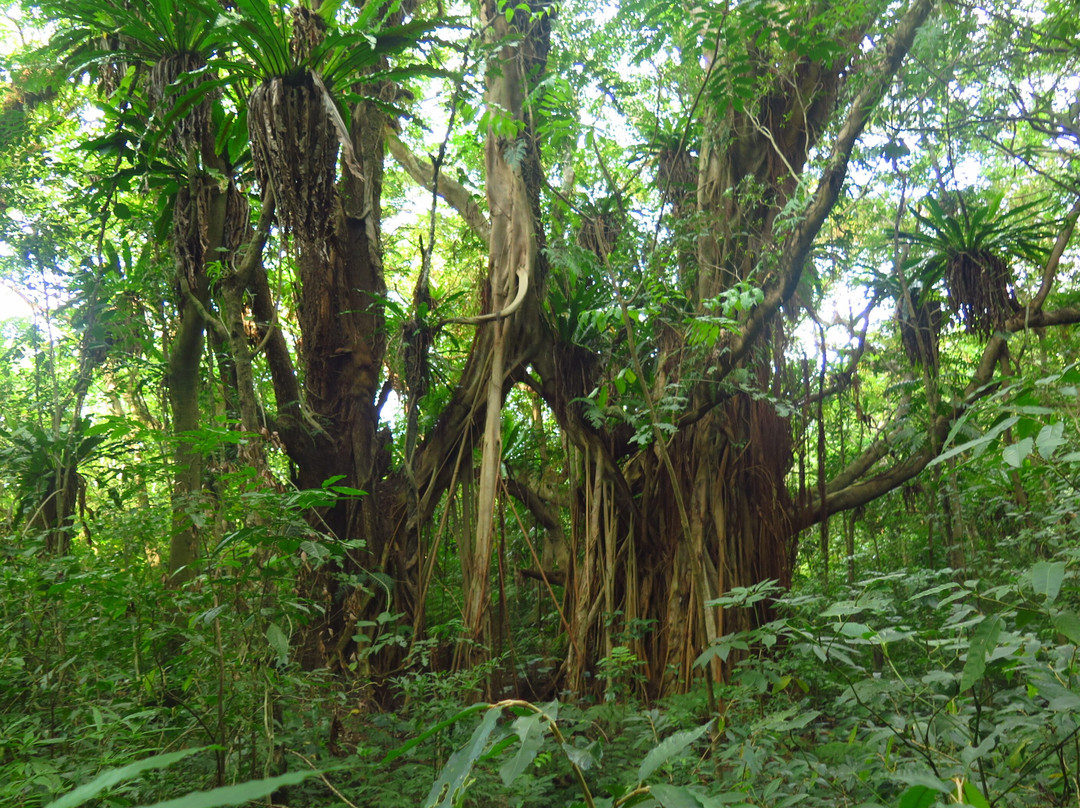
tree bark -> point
(199, 232)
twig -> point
(326, 782)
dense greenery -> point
(598, 404)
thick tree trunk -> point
(732, 464)
(731, 454)
(55, 514)
(333, 432)
(183, 384)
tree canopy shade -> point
(500, 293)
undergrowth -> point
(909, 689)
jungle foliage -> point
(515, 403)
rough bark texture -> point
(633, 547)
(200, 235)
(343, 342)
(655, 533)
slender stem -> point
(579, 775)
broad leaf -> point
(981, 441)
(1046, 579)
(982, 641)
(856, 630)
(279, 642)
(584, 757)
(1015, 453)
(1068, 624)
(674, 796)
(669, 748)
(235, 795)
(444, 792)
(530, 730)
(112, 777)
(1050, 439)
(974, 797)
(432, 730)
(918, 797)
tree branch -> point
(797, 246)
(1054, 260)
(455, 194)
(853, 492)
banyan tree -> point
(646, 307)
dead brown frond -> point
(919, 331)
(599, 233)
(294, 150)
(978, 287)
(237, 222)
(309, 31)
(190, 231)
(111, 73)
(189, 128)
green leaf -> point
(918, 797)
(982, 641)
(996, 430)
(451, 781)
(584, 757)
(948, 587)
(1050, 438)
(328, 10)
(1059, 699)
(210, 615)
(856, 630)
(279, 642)
(924, 778)
(530, 731)
(1068, 623)
(974, 797)
(315, 550)
(432, 730)
(669, 748)
(842, 608)
(1046, 579)
(235, 795)
(1015, 453)
(674, 796)
(113, 777)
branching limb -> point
(798, 244)
(1054, 260)
(454, 193)
(844, 377)
(856, 491)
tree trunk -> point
(731, 458)
(734, 461)
(333, 432)
(198, 232)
